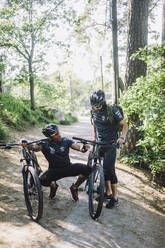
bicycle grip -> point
(83, 149)
(24, 141)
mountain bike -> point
(31, 183)
(95, 183)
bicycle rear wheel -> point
(96, 192)
(33, 193)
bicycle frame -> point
(32, 187)
(95, 181)
(31, 160)
(31, 183)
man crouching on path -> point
(56, 150)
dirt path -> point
(139, 222)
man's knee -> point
(88, 171)
(111, 177)
(114, 180)
(84, 170)
(44, 180)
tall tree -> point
(163, 22)
(137, 38)
(2, 69)
(115, 52)
(163, 34)
(23, 28)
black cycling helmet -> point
(97, 99)
(50, 129)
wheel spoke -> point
(33, 194)
(96, 193)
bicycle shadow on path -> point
(130, 225)
(16, 227)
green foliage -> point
(68, 119)
(146, 98)
(17, 113)
(51, 91)
(3, 131)
(26, 29)
(14, 112)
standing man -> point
(106, 130)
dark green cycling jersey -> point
(57, 154)
(105, 131)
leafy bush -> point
(3, 132)
(146, 98)
(69, 118)
(17, 113)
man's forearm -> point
(94, 131)
(124, 130)
(34, 148)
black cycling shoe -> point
(112, 203)
(107, 197)
(53, 190)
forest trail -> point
(138, 222)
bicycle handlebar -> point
(6, 144)
(85, 141)
(9, 145)
(35, 141)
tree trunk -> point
(121, 85)
(137, 38)
(1, 82)
(2, 70)
(115, 52)
(163, 23)
(31, 82)
(101, 67)
(72, 105)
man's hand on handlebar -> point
(84, 149)
(77, 147)
(23, 143)
(121, 140)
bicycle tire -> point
(86, 187)
(96, 192)
(36, 164)
(33, 193)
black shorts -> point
(54, 174)
(109, 165)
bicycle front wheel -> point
(33, 193)
(96, 192)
